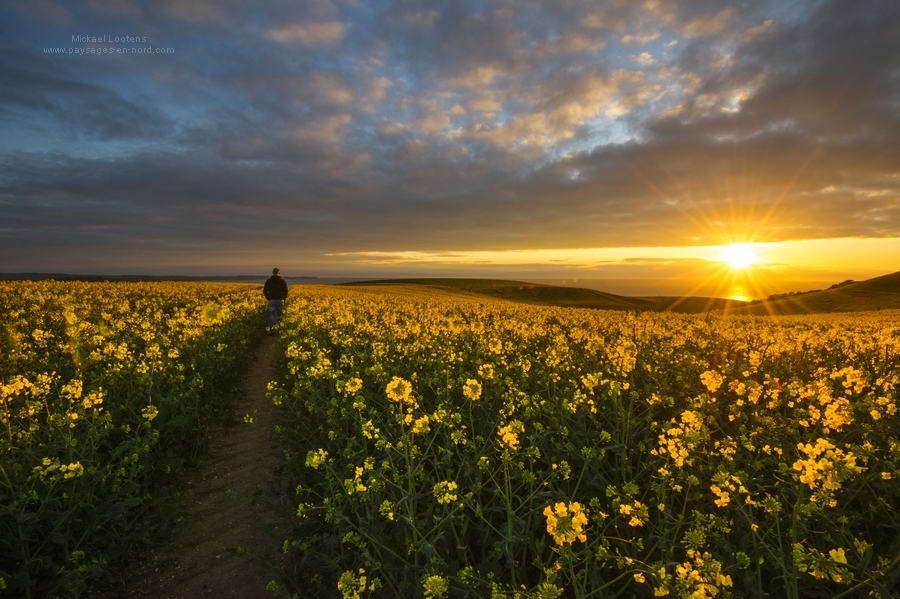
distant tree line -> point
(776, 296)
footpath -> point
(232, 523)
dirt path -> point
(228, 536)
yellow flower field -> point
(105, 392)
(464, 447)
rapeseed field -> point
(453, 446)
(105, 393)
(465, 447)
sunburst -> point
(739, 256)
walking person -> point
(276, 292)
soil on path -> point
(231, 523)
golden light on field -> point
(743, 270)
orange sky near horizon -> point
(600, 140)
(738, 271)
(787, 257)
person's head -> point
(276, 271)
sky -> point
(599, 139)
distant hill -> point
(526, 293)
(567, 297)
(43, 276)
(880, 293)
(693, 305)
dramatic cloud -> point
(219, 136)
(311, 34)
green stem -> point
(507, 498)
(795, 518)
(601, 588)
(410, 494)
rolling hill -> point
(880, 293)
(552, 295)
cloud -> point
(763, 29)
(40, 96)
(639, 39)
(123, 8)
(707, 25)
(196, 11)
(329, 89)
(387, 127)
(433, 124)
(485, 102)
(376, 91)
(478, 77)
(573, 101)
(465, 126)
(575, 42)
(309, 33)
(328, 130)
(420, 18)
(44, 10)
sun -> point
(739, 255)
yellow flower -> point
(486, 371)
(509, 434)
(399, 390)
(421, 425)
(352, 586)
(72, 389)
(435, 586)
(445, 492)
(472, 389)
(75, 469)
(370, 431)
(316, 458)
(150, 412)
(826, 466)
(566, 523)
(712, 379)
(701, 577)
(809, 559)
(638, 512)
(353, 385)
(723, 497)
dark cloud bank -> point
(290, 131)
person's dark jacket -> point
(275, 288)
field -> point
(552, 295)
(105, 393)
(454, 445)
(449, 442)
(880, 293)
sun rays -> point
(739, 256)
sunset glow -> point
(739, 255)
(641, 140)
(869, 256)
